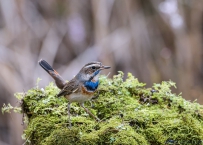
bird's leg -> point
(82, 104)
(69, 114)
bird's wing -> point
(70, 87)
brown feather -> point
(69, 88)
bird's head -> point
(91, 71)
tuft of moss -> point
(129, 113)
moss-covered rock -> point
(129, 113)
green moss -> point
(130, 114)
(62, 136)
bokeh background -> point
(155, 40)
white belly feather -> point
(78, 98)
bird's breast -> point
(85, 91)
(81, 96)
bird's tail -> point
(45, 66)
(60, 82)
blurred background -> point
(155, 40)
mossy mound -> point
(130, 114)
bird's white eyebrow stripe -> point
(92, 65)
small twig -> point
(26, 141)
(108, 74)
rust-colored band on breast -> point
(85, 92)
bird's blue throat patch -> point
(91, 86)
(96, 72)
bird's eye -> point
(93, 67)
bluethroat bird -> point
(81, 88)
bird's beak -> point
(105, 67)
